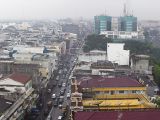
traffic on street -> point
(54, 99)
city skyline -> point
(59, 9)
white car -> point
(59, 117)
(53, 96)
(60, 106)
(64, 84)
(68, 95)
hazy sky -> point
(55, 9)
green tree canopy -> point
(96, 42)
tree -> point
(156, 73)
(96, 42)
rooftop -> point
(4, 104)
(20, 77)
(100, 81)
(116, 115)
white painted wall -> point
(93, 56)
(11, 85)
(28, 49)
(22, 56)
(120, 34)
(117, 54)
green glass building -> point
(128, 23)
(102, 23)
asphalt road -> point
(53, 114)
(56, 111)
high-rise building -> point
(121, 27)
(102, 23)
(128, 23)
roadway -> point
(66, 64)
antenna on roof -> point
(124, 10)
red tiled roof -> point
(20, 77)
(115, 115)
(100, 81)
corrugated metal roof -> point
(115, 115)
(20, 77)
(99, 81)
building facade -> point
(102, 23)
(110, 93)
(117, 54)
(124, 27)
(128, 23)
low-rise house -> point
(140, 63)
(16, 82)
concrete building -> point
(40, 66)
(140, 63)
(18, 95)
(117, 54)
(110, 93)
(121, 34)
(71, 28)
(18, 109)
(92, 56)
(58, 47)
(6, 64)
(28, 49)
(94, 68)
(70, 39)
(16, 82)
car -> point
(68, 95)
(55, 102)
(60, 106)
(35, 111)
(60, 117)
(49, 90)
(61, 97)
(49, 117)
(62, 91)
(61, 100)
(53, 96)
(64, 84)
(60, 84)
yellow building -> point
(100, 92)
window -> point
(106, 92)
(112, 92)
(133, 91)
(121, 92)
